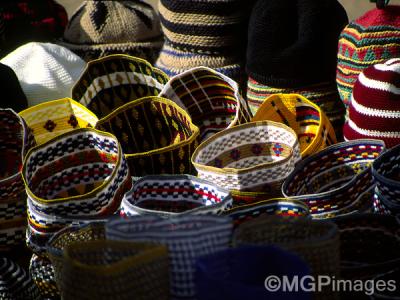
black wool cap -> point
(11, 91)
(293, 43)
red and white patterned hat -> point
(374, 111)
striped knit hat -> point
(371, 39)
(374, 110)
(301, 59)
(203, 33)
(100, 28)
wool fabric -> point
(370, 39)
(374, 110)
(203, 33)
(45, 71)
(26, 21)
(101, 28)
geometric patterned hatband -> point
(313, 128)
(157, 136)
(255, 156)
(212, 99)
(187, 237)
(81, 175)
(15, 140)
(337, 180)
(172, 195)
(112, 81)
(280, 206)
(385, 171)
(50, 119)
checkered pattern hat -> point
(255, 156)
(112, 81)
(78, 176)
(211, 99)
(100, 28)
(187, 238)
(336, 180)
(166, 133)
(51, 119)
(174, 195)
(15, 140)
(313, 128)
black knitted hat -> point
(12, 94)
(293, 43)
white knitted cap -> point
(45, 71)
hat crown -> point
(102, 22)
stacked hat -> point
(45, 71)
(25, 21)
(371, 39)
(13, 95)
(203, 33)
(301, 58)
(374, 110)
(100, 28)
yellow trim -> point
(358, 48)
(194, 128)
(224, 171)
(78, 197)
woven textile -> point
(51, 119)
(281, 207)
(79, 176)
(173, 195)
(16, 283)
(313, 128)
(240, 273)
(15, 140)
(13, 95)
(211, 99)
(385, 171)
(110, 82)
(114, 269)
(317, 242)
(187, 238)
(24, 21)
(157, 136)
(374, 111)
(42, 274)
(337, 180)
(45, 71)
(101, 28)
(255, 156)
(370, 245)
(203, 33)
(370, 39)
(324, 95)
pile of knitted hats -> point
(193, 149)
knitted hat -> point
(292, 49)
(203, 33)
(369, 40)
(374, 110)
(26, 20)
(100, 28)
(45, 71)
(13, 96)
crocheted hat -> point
(374, 110)
(13, 95)
(45, 71)
(100, 28)
(300, 59)
(313, 128)
(25, 21)
(370, 39)
(203, 33)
